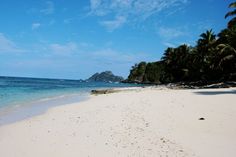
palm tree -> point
(168, 59)
(205, 51)
(176, 62)
(232, 22)
(227, 36)
(205, 44)
(168, 55)
(224, 61)
(226, 53)
(207, 38)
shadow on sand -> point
(215, 92)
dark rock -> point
(103, 91)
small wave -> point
(57, 97)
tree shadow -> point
(215, 92)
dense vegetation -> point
(212, 59)
(106, 76)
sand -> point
(148, 122)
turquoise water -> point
(24, 97)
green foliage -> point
(212, 59)
(106, 76)
(175, 62)
(153, 72)
(146, 72)
(137, 72)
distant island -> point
(106, 76)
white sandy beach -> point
(147, 122)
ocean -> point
(21, 98)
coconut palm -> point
(168, 55)
(228, 36)
(205, 43)
(226, 53)
(225, 60)
(176, 61)
(205, 50)
(232, 22)
(207, 38)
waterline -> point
(20, 112)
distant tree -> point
(168, 59)
(176, 63)
(153, 72)
(133, 73)
(137, 72)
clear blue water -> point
(23, 97)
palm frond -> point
(229, 57)
(231, 13)
(232, 22)
(225, 49)
(232, 5)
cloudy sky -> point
(76, 38)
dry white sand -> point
(143, 122)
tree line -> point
(213, 59)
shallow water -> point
(21, 98)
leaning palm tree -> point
(232, 22)
(225, 61)
(225, 54)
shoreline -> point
(21, 112)
(140, 122)
(188, 85)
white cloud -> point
(111, 56)
(49, 8)
(132, 10)
(95, 4)
(168, 44)
(66, 49)
(35, 26)
(7, 45)
(114, 24)
(170, 33)
(85, 45)
(173, 36)
(115, 60)
(204, 25)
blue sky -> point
(75, 38)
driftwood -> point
(103, 91)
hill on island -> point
(106, 76)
